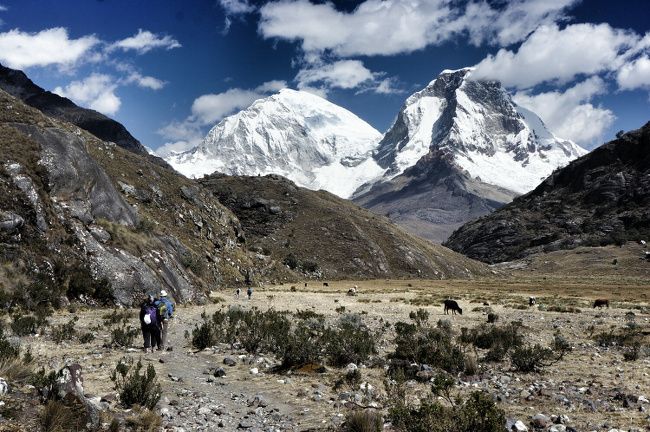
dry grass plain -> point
(594, 386)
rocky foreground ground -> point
(225, 388)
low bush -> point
(349, 343)
(123, 336)
(498, 340)
(530, 359)
(86, 338)
(424, 345)
(65, 332)
(134, 387)
(477, 412)
(24, 325)
(8, 351)
(420, 317)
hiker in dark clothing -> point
(150, 324)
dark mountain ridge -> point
(601, 198)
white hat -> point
(163, 293)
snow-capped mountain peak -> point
(299, 135)
(476, 124)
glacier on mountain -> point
(296, 134)
(477, 125)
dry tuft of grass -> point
(144, 420)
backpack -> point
(169, 307)
(150, 312)
(162, 309)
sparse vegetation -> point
(363, 421)
(135, 386)
(65, 332)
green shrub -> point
(351, 378)
(350, 343)
(8, 350)
(310, 266)
(420, 317)
(65, 331)
(134, 387)
(432, 346)
(291, 261)
(123, 336)
(498, 340)
(23, 325)
(86, 338)
(204, 335)
(530, 359)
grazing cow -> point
(532, 301)
(352, 291)
(453, 306)
(326, 284)
(599, 303)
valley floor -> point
(592, 385)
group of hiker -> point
(155, 319)
(249, 292)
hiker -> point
(150, 323)
(237, 292)
(166, 312)
(249, 292)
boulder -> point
(10, 221)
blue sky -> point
(169, 70)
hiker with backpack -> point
(150, 323)
(166, 312)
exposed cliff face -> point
(316, 229)
(17, 84)
(69, 200)
(599, 199)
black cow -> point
(599, 303)
(453, 306)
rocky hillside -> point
(17, 84)
(459, 149)
(321, 234)
(602, 198)
(82, 217)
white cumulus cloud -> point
(345, 74)
(388, 27)
(53, 46)
(554, 54)
(144, 81)
(635, 74)
(569, 114)
(210, 108)
(144, 41)
(97, 92)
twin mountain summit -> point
(458, 154)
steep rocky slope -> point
(78, 214)
(459, 149)
(323, 234)
(17, 84)
(601, 198)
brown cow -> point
(599, 303)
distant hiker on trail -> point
(249, 292)
(150, 323)
(166, 313)
(237, 292)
